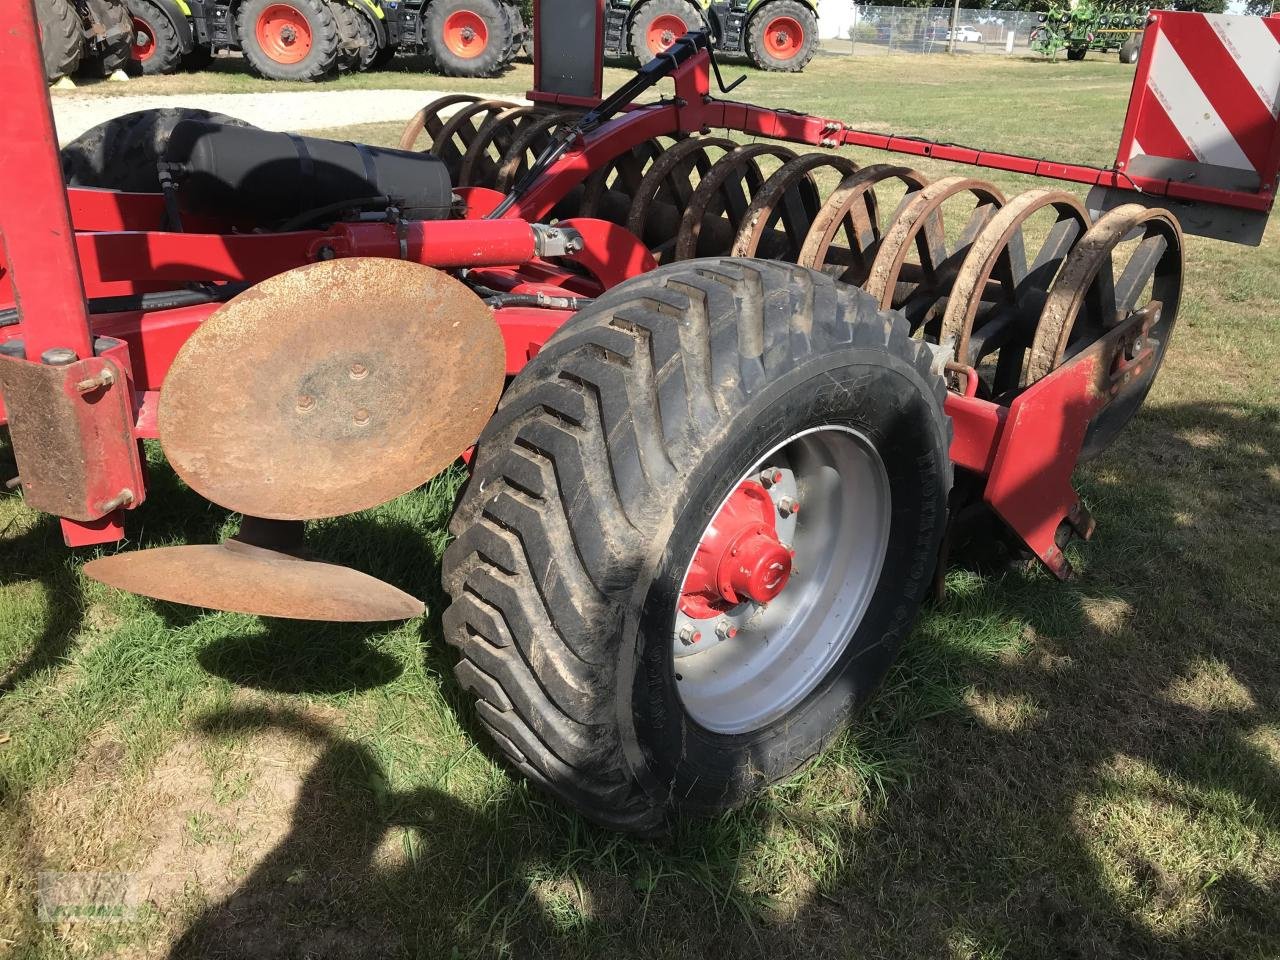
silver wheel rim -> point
(753, 663)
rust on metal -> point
(527, 145)
(479, 166)
(717, 208)
(250, 579)
(1004, 286)
(782, 213)
(666, 189)
(331, 388)
(430, 119)
(854, 208)
(74, 448)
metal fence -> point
(847, 28)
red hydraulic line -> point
(35, 225)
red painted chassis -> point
(61, 246)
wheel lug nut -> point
(788, 506)
(770, 476)
(689, 636)
(726, 630)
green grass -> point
(1080, 770)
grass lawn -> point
(1088, 770)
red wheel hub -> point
(144, 40)
(466, 34)
(784, 38)
(739, 558)
(283, 33)
(664, 30)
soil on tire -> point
(592, 484)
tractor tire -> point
(519, 32)
(468, 38)
(358, 43)
(156, 48)
(1076, 53)
(61, 38)
(594, 484)
(122, 153)
(660, 23)
(115, 51)
(1129, 52)
(782, 36)
(289, 39)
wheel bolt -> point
(770, 476)
(689, 636)
(788, 506)
(726, 630)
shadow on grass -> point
(1079, 788)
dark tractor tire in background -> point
(289, 39)
(122, 153)
(660, 23)
(358, 41)
(156, 48)
(782, 36)
(115, 51)
(384, 56)
(594, 487)
(61, 38)
(1076, 53)
(1129, 51)
(468, 38)
(197, 58)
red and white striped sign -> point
(1208, 91)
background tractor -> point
(86, 36)
(313, 39)
(725, 396)
(777, 35)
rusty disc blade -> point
(331, 388)
(247, 579)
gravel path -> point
(270, 111)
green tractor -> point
(314, 39)
(1081, 27)
(779, 35)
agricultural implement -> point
(313, 39)
(1081, 27)
(746, 391)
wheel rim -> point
(283, 33)
(756, 631)
(664, 30)
(144, 40)
(465, 34)
(783, 38)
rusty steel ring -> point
(854, 207)
(919, 226)
(430, 120)
(608, 193)
(479, 167)
(665, 191)
(771, 206)
(734, 177)
(997, 271)
(460, 131)
(527, 144)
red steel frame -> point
(61, 245)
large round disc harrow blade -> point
(718, 207)
(331, 388)
(431, 118)
(666, 190)
(852, 212)
(1001, 287)
(915, 266)
(479, 167)
(1128, 261)
(783, 212)
(248, 579)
